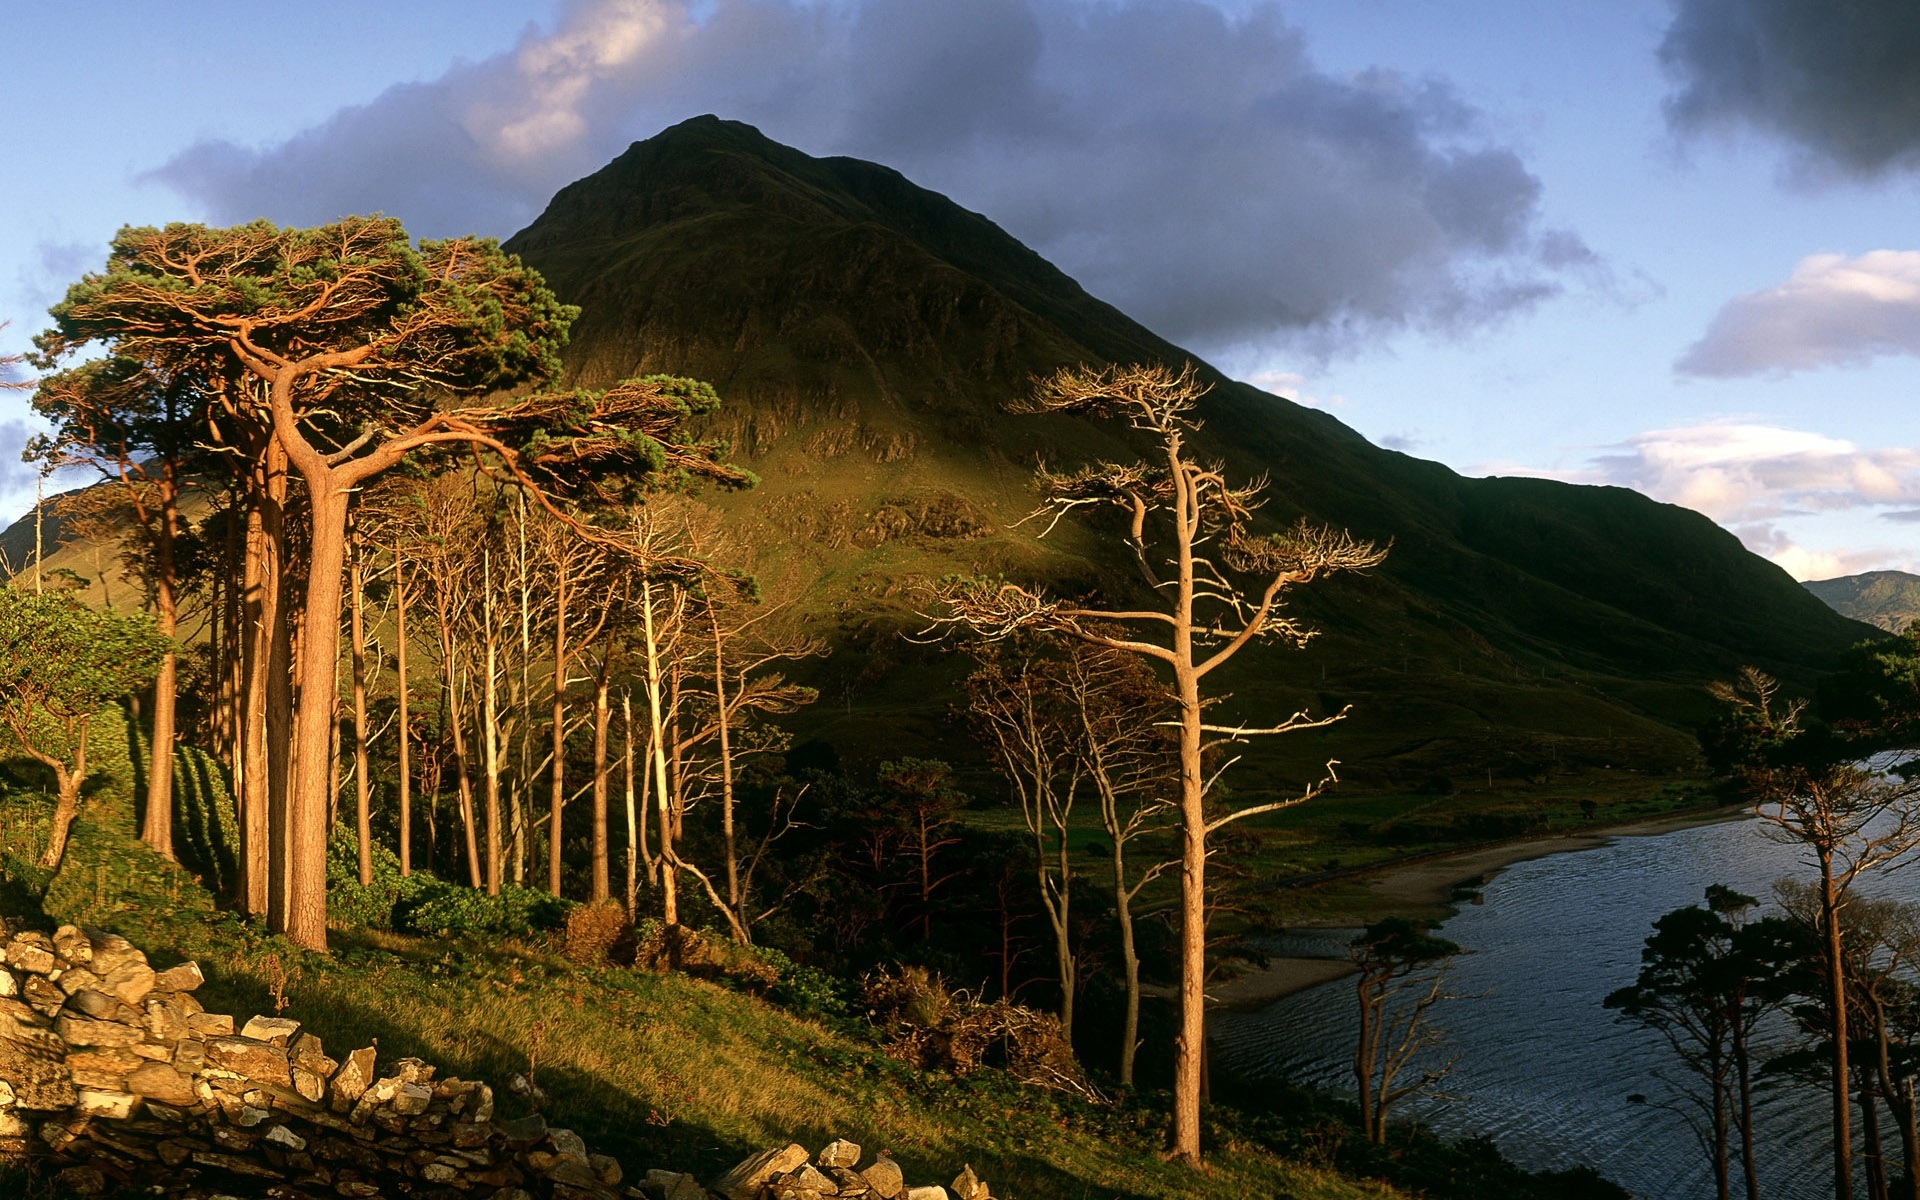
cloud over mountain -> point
(1840, 83)
(1752, 478)
(1833, 311)
(1197, 169)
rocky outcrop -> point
(118, 1074)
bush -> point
(593, 931)
(929, 1027)
(761, 970)
(426, 904)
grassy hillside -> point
(660, 1069)
(865, 334)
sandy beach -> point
(1433, 882)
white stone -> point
(115, 1105)
(265, 1029)
(280, 1135)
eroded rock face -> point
(115, 1069)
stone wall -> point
(118, 1075)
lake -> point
(1544, 1069)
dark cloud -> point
(1196, 169)
(1839, 82)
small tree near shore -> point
(1402, 977)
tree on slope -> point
(1217, 587)
(60, 663)
(365, 349)
(139, 429)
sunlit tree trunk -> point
(724, 720)
(362, 789)
(602, 718)
(669, 894)
(633, 823)
(157, 829)
(404, 749)
(491, 721)
(67, 780)
(455, 723)
(557, 798)
(1834, 967)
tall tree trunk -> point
(362, 794)
(602, 717)
(269, 703)
(405, 749)
(1743, 1069)
(302, 913)
(557, 798)
(669, 893)
(1835, 967)
(1129, 963)
(1366, 1048)
(724, 718)
(157, 830)
(633, 823)
(464, 781)
(1190, 1041)
(1870, 1136)
(491, 719)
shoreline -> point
(1434, 882)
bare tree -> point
(1216, 588)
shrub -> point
(593, 931)
(761, 970)
(426, 904)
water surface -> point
(1544, 1069)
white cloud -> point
(1197, 169)
(1833, 311)
(1759, 480)
(1292, 385)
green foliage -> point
(1398, 944)
(451, 910)
(426, 904)
(806, 991)
(457, 314)
(60, 662)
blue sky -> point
(1662, 244)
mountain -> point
(865, 333)
(1889, 600)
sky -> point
(1659, 244)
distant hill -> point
(1887, 599)
(865, 333)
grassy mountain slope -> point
(1889, 600)
(865, 333)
